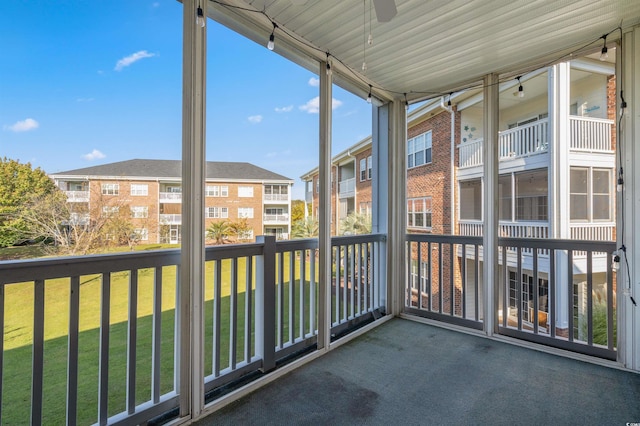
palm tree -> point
(305, 228)
(219, 231)
(356, 223)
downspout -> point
(355, 179)
(452, 180)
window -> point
(110, 210)
(471, 200)
(369, 166)
(590, 197)
(419, 150)
(531, 195)
(139, 189)
(424, 275)
(142, 234)
(276, 192)
(245, 212)
(309, 186)
(110, 189)
(174, 189)
(216, 212)
(505, 199)
(419, 213)
(274, 211)
(139, 212)
(217, 191)
(363, 169)
(245, 191)
(527, 292)
(365, 208)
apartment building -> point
(557, 171)
(151, 190)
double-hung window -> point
(419, 213)
(590, 198)
(217, 212)
(245, 212)
(110, 189)
(138, 189)
(139, 212)
(245, 191)
(419, 150)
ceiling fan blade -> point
(385, 9)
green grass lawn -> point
(18, 334)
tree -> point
(219, 231)
(240, 228)
(19, 183)
(355, 223)
(305, 228)
(297, 210)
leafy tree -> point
(19, 183)
(239, 228)
(297, 210)
(219, 231)
(305, 228)
(355, 223)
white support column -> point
(389, 197)
(324, 209)
(559, 88)
(191, 366)
(490, 278)
(628, 202)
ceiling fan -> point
(385, 9)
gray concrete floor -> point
(405, 372)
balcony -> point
(587, 135)
(277, 198)
(347, 188)
(170, 219)
(77, 196)
(170, 197)
(276, 219)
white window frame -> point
(590, 195)
(139, 189)
(363, 169)
(421, 144)
(110, 189)
(143, 233)
(245, 192)
(369, 167)
(139, 212)
(216, 212)
(245, 212)
(217, 191)
(108, 211)
(427, 211)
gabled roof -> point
(171, 169)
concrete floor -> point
(409, 373)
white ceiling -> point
(430, 45)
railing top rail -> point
(557, 244)
(355, 239)
(524, 126)
(292, 245)
(230, 251)
(13, 271)
(592, 119)
(455, 239)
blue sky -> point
(91, 82)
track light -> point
(272, 38)
(328, 65)
(449, 101)
(520, 88)
(200, 19)
(364, 66)
(369, 96)
(406, 103)
(603, 53)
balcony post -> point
(490, 148)
(191, 281)
(266, 302)
(324, 208)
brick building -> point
(152, 191)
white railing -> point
(470, 228)
(170, 219)
(109, 351)
(590, 134)
(523, 229)
(593, 231)
(347, 187)
(276, 197)
(470, 153)
(170, 197)
(77, 196)
(276, 218)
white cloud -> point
(128, 60)
(313, 105)
(284, 109)
(255, 119)
(314, 82)
(23, 126)
(93, 155)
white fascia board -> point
(592, 66)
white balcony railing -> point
(276, 218)
(170, 197)
(590, 134)
(593, 231)
(77, 196)
(170, 219)
(127, 304)
(276, 197)
(347, 187)
(587, 134)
